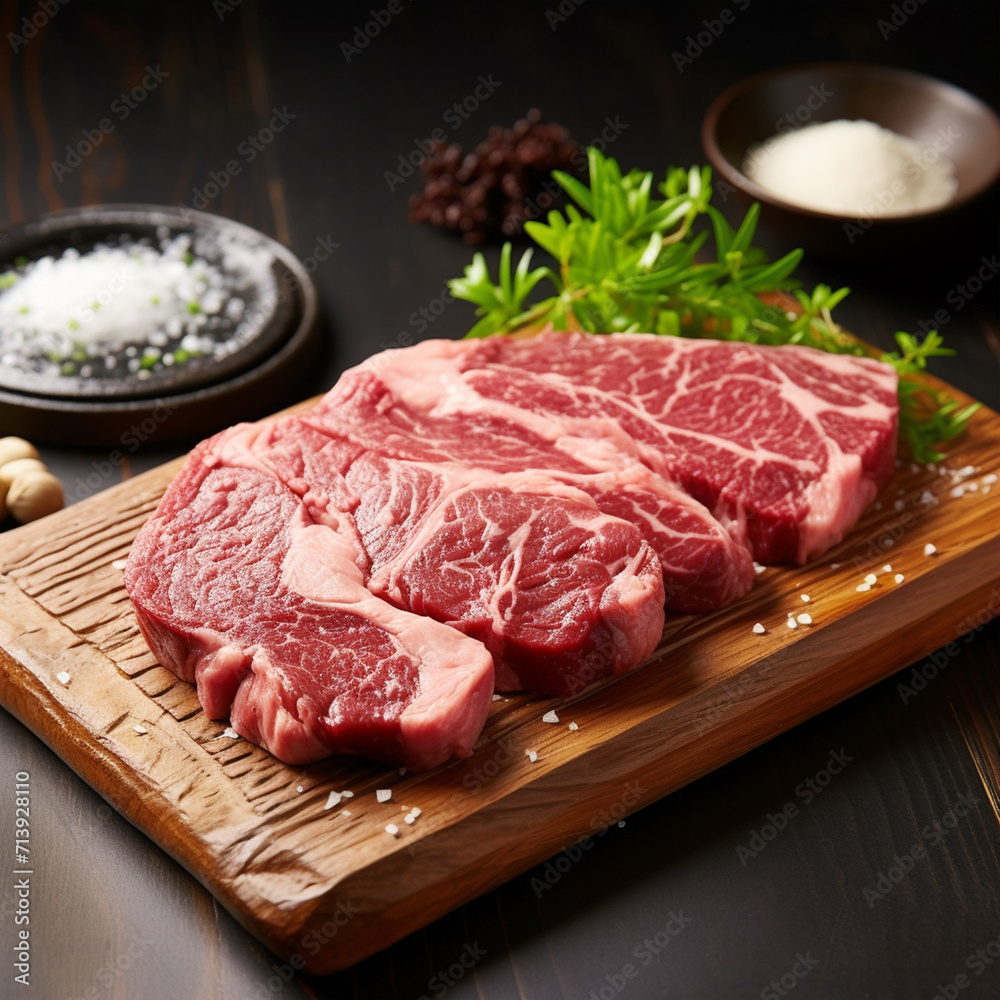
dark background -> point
(117, 917)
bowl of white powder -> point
(850, 159)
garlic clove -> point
(12, 448)
(9, 471)
(34, 494)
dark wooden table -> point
(836, 903)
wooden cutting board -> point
(325, 887)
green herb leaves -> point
(626, 262)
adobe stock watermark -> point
(368, 30)
(962, 294)
(931, 836)
(922, 674)
(615, 983)
(559, 15)
(312, 942)
(454, 116)
(321, 252)
(695, 45)
(44, 11)
(883, 200)
(977, 962)
(806, 791)
(248, 150)
(446, 979)
(121, 107)
(115, 968)
(601, 822)
(781, 987)
(899, 14)
(131, 440)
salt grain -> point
(804, 619)
(930, 549)
(392, 830)
(119, 563)
(409, 819)
(299, 789)
(792, 623)
(887, 568)
(63, 677)
(532, 755)
(759, 629)
(141, 730)
(550, 716)
(345, 812)
(573, 727)
(383, 794)
(415, 812)
(862, 587)
(898, 578)
(871, 578)
(498, 697)
(806, 598)
(333, 800)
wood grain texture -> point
(331, 888)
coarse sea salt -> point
(63, 677)
(383, 794)
(550, 716)
(854, 168)
(76, 313)
(759, 629)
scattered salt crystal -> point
(899, 505)
(804, 619)
(498, 697)
(928, 498)
(930, 549)
(806, 598)
(862, 587)
(409, 819)
(758, 569)
(415, 812)
(333, 800)
(392, 830)
(899, 578)
(990, 479)
(63, 677)
(119, 564)
(759, 629)
(345, 812)
(835, 565)
(871, 578)
(550, 716)
(621, 823)
(965, 471)
(957, 491)
(792, 623)
(141, 730)
(887, 568)
(532, 755)
(383, 794)
(230, 733)
(573, 727)
(299, 789)
(347, 795)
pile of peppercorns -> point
(504, 183)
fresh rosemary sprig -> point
(625, 261)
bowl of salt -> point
(851, 159)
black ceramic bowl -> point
(929, 111)
(277, 335)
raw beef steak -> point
(786, 446)
(238, 590)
